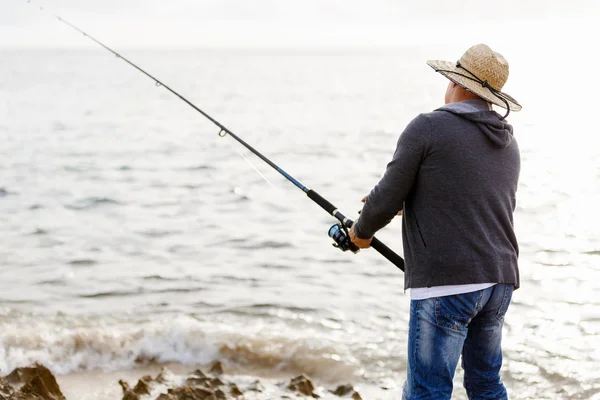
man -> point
(454, 177)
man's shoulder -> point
(441, 120)
(434, 117)
(439, 114)
(436, 121)
(427, 122)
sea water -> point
(131, 235)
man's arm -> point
(387, 197)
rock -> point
(201, 394)
(164, 396)
(343, 390)
(19, 375)
(204, 382)
(219, 394)
(234, 390)
(303, 385)
(216, 368)
(257, 386)
(194, 381)
(38, 388)
(163, 376)
(190, 393)
(143, 387)
(199, 373)
(38, 383)
(128, 394)
(216, 382)
(6, 391)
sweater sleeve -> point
(387, 197)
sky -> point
(296, 23)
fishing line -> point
(338, 232)
(237, 150)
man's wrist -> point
(359, 231)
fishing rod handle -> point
(317, 198)
(388, 253)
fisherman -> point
(453, 178)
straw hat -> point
(481, 71)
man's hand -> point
(361, 243)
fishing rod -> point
(338, 232)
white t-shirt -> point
(447, 290)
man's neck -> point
(461, 99)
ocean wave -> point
(64, 347)
(159, 278)
(92, 202)
(158, 233)
(38, 232)
(199, 167)
(114, 293)
(269, 244)
(84, 262)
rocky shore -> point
(33, 383)
(38, 383)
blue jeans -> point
(443, 328)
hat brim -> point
(450, 71)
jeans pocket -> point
(507, 292)
(456, 311)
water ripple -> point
(92, 202)
(84, 262)
(115, 293)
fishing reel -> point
(341, 237)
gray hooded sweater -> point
(454, 174)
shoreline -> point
(175, 381)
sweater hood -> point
(489, 122)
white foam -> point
(73, 346)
